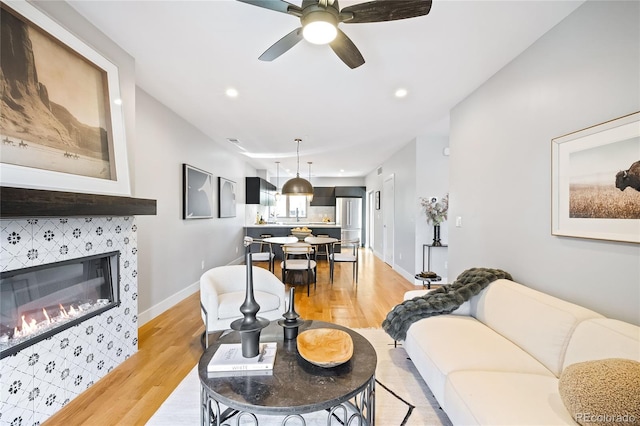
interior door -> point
(388, 218)
(369, 221)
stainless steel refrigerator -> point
(349, 217)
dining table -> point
(279, 242)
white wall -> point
(172, 249)
(403, 166)
(583, 72)
(432, 179)
(420, 170)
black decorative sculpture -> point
(250, 325)
(291, 320)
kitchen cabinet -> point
(324, 196)
(350, 191)
(259, 191)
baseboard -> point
(406, 275)
(169, 302)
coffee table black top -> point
(295, 385)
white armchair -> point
(223, 289)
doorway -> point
(370, 221)
(388, 219)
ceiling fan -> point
(320, 19)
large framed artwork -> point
(595, 176)
(61, 122)
(197, 193)
(226, 197)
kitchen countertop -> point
(295, 225)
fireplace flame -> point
(63, 312)
(44, 311)
(30, 325)
(27, 327)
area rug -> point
(402, 397)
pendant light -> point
(277, 180)
(297, 185)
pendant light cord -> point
(298, 155)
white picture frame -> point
(22, 176)
(586, 200)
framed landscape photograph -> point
(197, 193)
(226, 198)
(61, 124)
(595, 175)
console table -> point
(295, 386)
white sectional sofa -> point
(497, 359)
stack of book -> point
(228, 360)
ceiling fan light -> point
(319, 32)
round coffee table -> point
(295, 386)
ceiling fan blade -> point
(277, 5)
(346, 50)
(384, 10)
(282, 45)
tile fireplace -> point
(37, 380)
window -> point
(286, 206)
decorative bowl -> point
(301, 233)
(325, 347)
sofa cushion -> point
(539, 323)
(602, 392)
(603, 338)
(229, 306)
(442, 344)
(504, 398)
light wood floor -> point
(169, 345)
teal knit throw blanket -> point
(440, 301)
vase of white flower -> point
(436, 212)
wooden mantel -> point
(23, 203)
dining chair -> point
(261, 255)
(347, 254)
(297, 257)
(322, 249)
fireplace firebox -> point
(40, 301)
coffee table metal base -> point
(359, 410)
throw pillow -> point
(602, 392)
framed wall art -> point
(61, 125)
(377, 200)
(226, 198)
(595, 175)
(197, 193)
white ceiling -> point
(188, 53)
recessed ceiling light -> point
(341, 170)
(117, 101)
(401, 93)
(231, 92)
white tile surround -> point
(39, 380)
